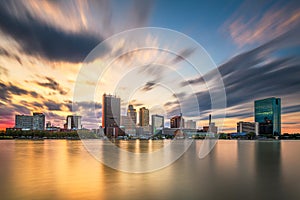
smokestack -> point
(209, 118)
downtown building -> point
(73, 122)
(268, 115)
(144, 117)
(128, 122)
(177, 122)
(191, 124)
(28, 122)
(131, 113)
(248, 127)
(111, 114)
(157, 124)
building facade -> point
(157, 124)
(144, 117)
(73, 122)
(177, 122)
(268, 115)
(128, 125)
(30, 122)
(111, 110)
(190, 124)
(131, 113)
(38, 121)
(24, 122)
(248, 127)
(212, 128)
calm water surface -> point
(59, 169)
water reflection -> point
(61, 169)
(268, 169)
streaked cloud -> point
(52, 84)
(258, 74)
(270, 21)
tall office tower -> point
(268, 115)
(131, 112)
(24, 122)
(144, 116)
(177, 122)
(157, 122)
(38, 121)
(73, 122)
(190, 124)
(111, 110)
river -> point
(64, 169)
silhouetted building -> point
(177, 122)
(268, 115)
(144, 117)
(248, 127)
(157, 123)
(73, 122)
(111, 107)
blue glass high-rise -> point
(268, 115)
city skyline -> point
(255, 48)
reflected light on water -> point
(59, 169)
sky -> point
(253, 49)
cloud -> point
(8, 89)
(3, 71)
(68, 30)
(52, 105)
(90, 111)
(184, 54)
(43, 40)
(245, 27)
(290, 109)
(171, 103)
(4, 52)
(148, 86)
(257, 74)
(52, 84)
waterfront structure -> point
(38, 121)
(268, 115)
(248, 127)
(144, 117)
(211, 128)
(111, 109)
(128, 125)
(23, 122)
(30, 122)
(73, 122)
(177, 122)
(157, 123)
(131, 112)
(190, 124)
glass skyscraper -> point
(157, 124)
(268, 115)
